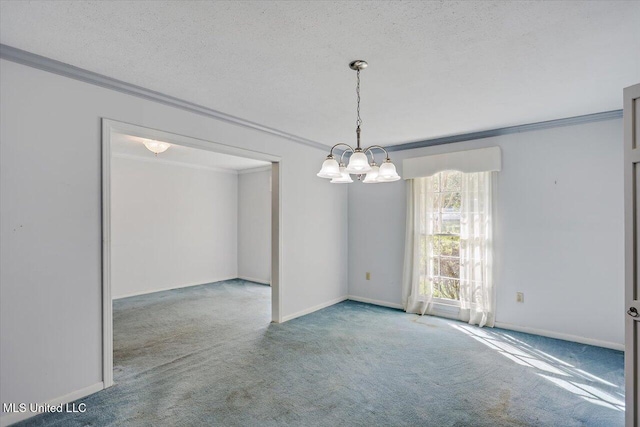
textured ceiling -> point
(436, 68)
(132, 146)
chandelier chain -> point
(358, 120)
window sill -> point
(444, 308)
(446, 302)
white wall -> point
(171, 226)
(559, 233)
(50, 227)
(254, 225)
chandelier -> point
(359, 164)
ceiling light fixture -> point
(358, 162)
(156, 146)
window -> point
(449, 237)
(441, 232)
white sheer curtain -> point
(476, 238)
(416, 287)
(476, 249)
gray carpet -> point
(207, 355)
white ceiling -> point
(436, 68)
(133, 147)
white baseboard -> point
(314, 308)
(375, 302)
(452, 314)
(12, 418)
(560, 336)
(253, 279)
(439, 310)
(187, 285)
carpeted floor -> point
(207, 355)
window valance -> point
(468, 161)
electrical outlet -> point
(519, 297)
(368, 276)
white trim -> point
(529, 127)
(175, 163)
(375, 302)
(29, 59)
(170, 288)
(12, 418)
(277, 232)
(444, 302)
(314, 308)
(445, 310)
(253, 279)
(467, 161)
(453, 312)
(439, 309)
(186, 141)
(254, 170)
(631, 156)
(560, 336)
(107, 302)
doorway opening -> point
(186, 226)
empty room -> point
(190, 250)
(319, 213)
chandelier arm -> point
(370, 149)
(345, 152)
(373, 159)
(338, 144)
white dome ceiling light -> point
(156, 146)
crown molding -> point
(51, 65)
(569, 121)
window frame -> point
(449, 306)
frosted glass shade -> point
(345, 178)
(372, 175)
(387, 172)
(330, 169)
(156, 146)
(358, 163)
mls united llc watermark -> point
(39, 408)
